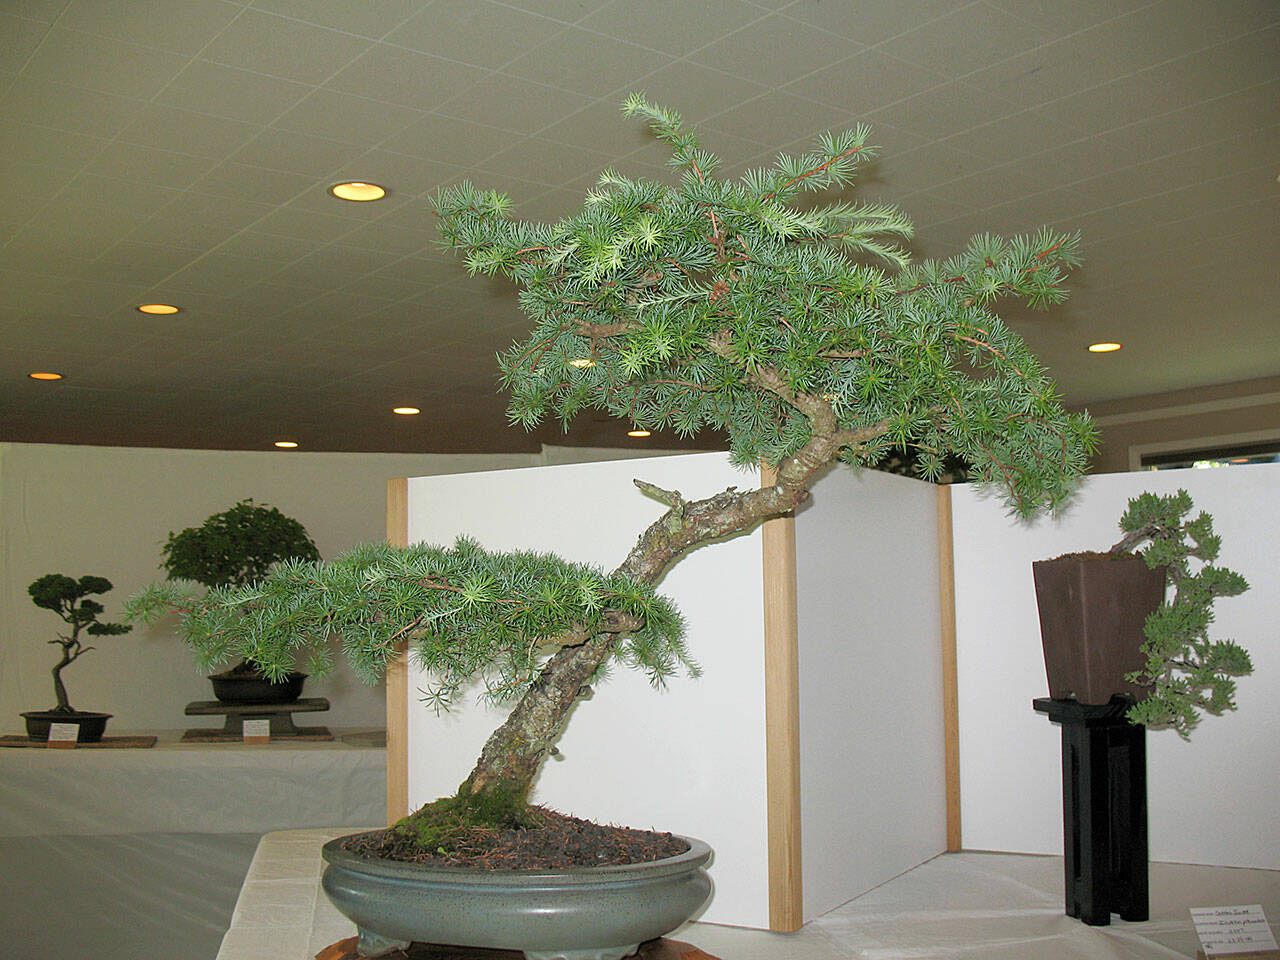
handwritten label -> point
(1225, 931)
(257, 731)
(64, 735)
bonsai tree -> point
(1186, 671)
(236, 547)
(804, 333)
(69, 599)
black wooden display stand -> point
(1104, 809)
(280, 715)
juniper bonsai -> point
(69, 599)
(805, 334)
(1186, 671)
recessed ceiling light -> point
(45, 375)
(406, 411)
(582, 363)
(358, 190)
(638, 433)
(287, 444)
(159, 309)
(1103, 347)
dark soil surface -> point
(560, 842)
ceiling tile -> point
(411, 79)
(776, 116)
(139, 198)
(185, 131)
(542, 161)
(407, 176)
(182, 28)
(25, 143)
(942, 111)
(1222, 69)
(587, 63)
(857, 84)
(676, 27)
(64, 107)
(346, 117)
(868, 23)
(776, 50)
(34, 181)
(107, 66)
(297, 153)
(283, 47)
(448, 139)
(514, 104)
(478, 32)
(369, 18)
(201, 210)
(127, 161)
(19, 38)
(254, 183)
(1213, 121)
(964, 40)
(1018, 135)
(219, 91)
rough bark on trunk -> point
(514, 753)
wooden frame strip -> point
(397, 676)
(950, 683)
(782, 722)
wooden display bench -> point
(279, 714)
(661, 949)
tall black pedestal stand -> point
(1104, 809)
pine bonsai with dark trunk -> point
(803, 332)
(69, 599)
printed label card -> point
(257, 731)
(64, 736)
(1234, 932)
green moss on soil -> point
(441, 825)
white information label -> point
(257, 731)
(64, 734)
(1224, 931)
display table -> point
(140, 854)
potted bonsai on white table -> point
(806, 335)
(70, 599)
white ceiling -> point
(180, 152)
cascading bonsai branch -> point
(710, 304)
(1186, 671)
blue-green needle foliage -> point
(727, 305)
(465, 612)
(1187, 672)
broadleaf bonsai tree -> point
(69, 599)
(805, 334)
(1186, 671)
(233, 548)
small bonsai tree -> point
(706, 305)
(69, 599)
(1186, 671)
(236, 547)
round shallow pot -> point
(247, 688)
(592, 913)
(92, 725)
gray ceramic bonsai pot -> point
(593, 913)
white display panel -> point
(1212, 800)
(689, 759)
(871, 727)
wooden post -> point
(782, 721)
(950, 695)
(397, 677)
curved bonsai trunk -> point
(514, 753)
(59, 690)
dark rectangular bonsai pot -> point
(1092, 611)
